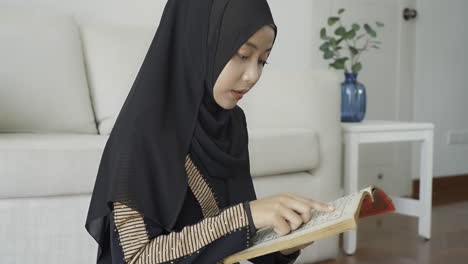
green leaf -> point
(369, 30)
(334, 65)
(379, 24)
(325, 46)
(340, 31)
(355, 27)
(340, 11)
(350, 34)
(353, 50)
(356, 67)
(342, 59)
(332, 20)
(333, 41)
(339, 63)
(328, 54)
(323, 34)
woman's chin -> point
(228, 104)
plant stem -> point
(337, 56)
(354, 45)
(364, 48)
(347, 43)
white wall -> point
(441, 84)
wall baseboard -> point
(449, 189)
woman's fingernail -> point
(331, 207)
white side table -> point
(376, 131)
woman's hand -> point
(285, 211)
(294, 249)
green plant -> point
(332, 45)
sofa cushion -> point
(43, 86)
(114, 55)
(63, 164)
(282, 151)
(48, 164)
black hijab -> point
(170, 111)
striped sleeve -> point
(208, 241)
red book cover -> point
(381, 204)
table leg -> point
(351, 186)
(425, 186)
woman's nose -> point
(251, 74)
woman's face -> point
(244, 69)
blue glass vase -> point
(353, 99)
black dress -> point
(210, 235)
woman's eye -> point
(243, 57)
(263, 62)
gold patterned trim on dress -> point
(137, 246)
(201, 189)
(193, 237)
(131, 229)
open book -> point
(348, 210)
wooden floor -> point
(393, 238)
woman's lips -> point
(236, 95)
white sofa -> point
(62, 84)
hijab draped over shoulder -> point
(170, 111)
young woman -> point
(174, 183)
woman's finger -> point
(317, 205)
(294, 219)
(280, 225)
(299, 206)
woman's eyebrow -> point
(248, 43)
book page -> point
(348, 209)
(345, 207)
